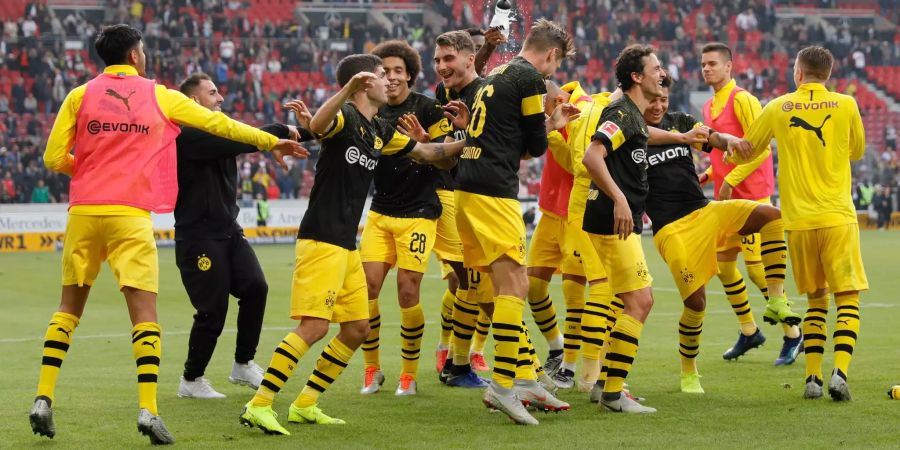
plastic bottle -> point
(501, 19)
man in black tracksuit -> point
(213, 256)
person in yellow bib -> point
(818, 133)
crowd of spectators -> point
(218, 37)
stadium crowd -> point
(242, 55)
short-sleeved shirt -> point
(350, 151)
(624, 133)
(674, 189)
(404, 188)
(467, 96)
(507, 122)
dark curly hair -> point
(400, 49)
(630, 61)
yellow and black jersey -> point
(404, 188)
(467, 96)
(350, 151)
(624, 133)
(507, 122)
(674, 189)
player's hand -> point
(725, 191)
(301, 111)
(493, 36)
(410, 126)
(457, 113)
(293, 133)
(741, 147)
(703, 178)
(624, 222)
(561, 116)
(699, 135)
(361, 82)
(287, 147)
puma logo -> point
(798, 122)
(843, 321)
(116, 95)
(816, 325)
(151, 344)
(61, 330)
(418, 259)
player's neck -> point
(637, 96)
(468, 79)
(718, 86)
(399, 99)
(365, 106)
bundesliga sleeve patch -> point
(613, 133)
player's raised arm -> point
(328, 112)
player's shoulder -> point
(682, 120)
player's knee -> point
(354, 333)
(256, 288)
(696, 302)
(313, 330)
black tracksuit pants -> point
(211, 269)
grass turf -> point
(748, 403)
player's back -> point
(817, 133)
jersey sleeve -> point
(337, 124)
(760, 133)
(432, 119)
(857, 134)
(531, 91)
(57, 155)
(746, 108)
(397, 143)
(614, 129)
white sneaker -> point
(249, 374)
(199, 388)
(506, 401)
(625, 404)
(532, 394)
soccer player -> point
(818, 133)
(214, 258)
(733, 110)
(485, 44)
(124, 127)
(507, 124)
(402, 222)
(328, 283)
(688, 228)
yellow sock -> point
(623, 347)
(846, 329)
(56, 344)
(594, 330)
(544, 312)
(329, 366)
(370, 348)
(446, 318)
(412, 327)
(525, 360)
(537, 367)
(573, 293)
(284, 360)
(773, 251)
(146, 345)
(736, 292)
(507, 327)
(465, 314)
(482, 328)
(689, 328)
(815, 332)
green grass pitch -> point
(748, 403)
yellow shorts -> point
(750, 244)
(404, 242)
(447, 246)
(328, 283)
(546, 247)
(827, 257)
(126, 242)
(489, 227)
(624, 262)
(481, 289)
(688, 245)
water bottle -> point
(501, 19)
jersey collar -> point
(812, 87)
(120, 69)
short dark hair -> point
(115, 41)
(400, 49)
(631, 60)
(351, 65)
(457, 40)
(816, 61)
(717, 47)
(190, 83)
(667, 81)
(475, 32)
(546, 35)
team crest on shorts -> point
(686, 275)
(330, 299)
(522, 248)
(642, 271)
(204, 263)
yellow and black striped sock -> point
(758, 276)
(846, 329)
(623, 347)
(56, 344)
(284, 360)
(689, 328)
(535, 361)
(446, 318)
(736, 292)
(594, 330)
(465, 314)
(573, 293)
(371, 347)
(773, 251)
(526, 360)
(815, 332)
(412, 327)
(507, 329)
(544, 312)
(482, 328)
(146, 346)
(329, 366)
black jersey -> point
(467, 96)
(507, 122)
(347, 161)
(674, 189)
(624, 133)
(404, 188)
